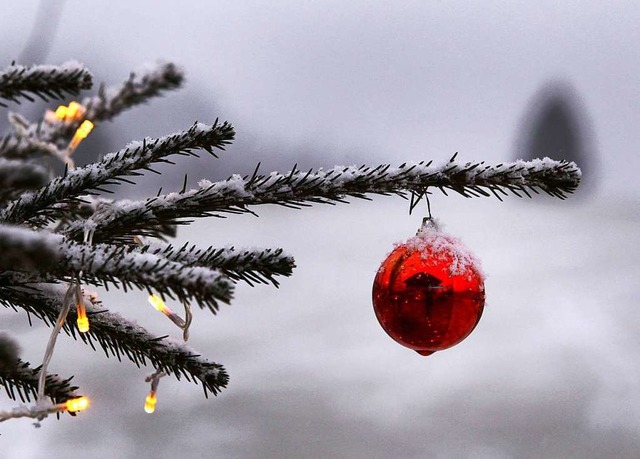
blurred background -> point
(552, 368)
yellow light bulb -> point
(61, 112)
(83, 324)
(83, 320)
(76, 404)
(74, 111)
(157, 303)
(150, 402)
(81, 133)
(85, 128)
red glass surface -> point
(421, 304)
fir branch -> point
(126, 266)
(36, 140)
(31, 141)
(149, 82)
(104, 264)
(297, 189)
(22, 383)
(44, 81)
(114, 167)
(118, 337)
(248, 265)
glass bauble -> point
(428, 294)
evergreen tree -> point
(60, 234)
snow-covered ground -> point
(551, 370)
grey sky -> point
(551, 370)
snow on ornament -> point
(428, 294)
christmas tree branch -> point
(126, 266)
(297, 189)
(114, 167)
(118, 337)
(20, 146)
(54, 258)
(43, 137)
(22, 382)
(44, 81)
(149, 82)
(249, 265)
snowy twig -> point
(124, 266)
(139, 88)
(297, 189)
(115, 166)
(44, 81)
(118, 337)
(22, 383)
(150, 82)
(104, 264)
(249, 265)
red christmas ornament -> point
(428, 294)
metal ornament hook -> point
(429, 224)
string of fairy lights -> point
(72, 114)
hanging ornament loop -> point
(426, 197)
(428, 222)
(416, 197)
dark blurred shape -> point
(9, 353)
(556, 125)
(42, 33)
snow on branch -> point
(118, 337)
(114, 167)
(297, 189)
(23, 147)
(249, 265)
(44, 81)
(104, 264)
(149, 82)
(22, 382)
(126, 266)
